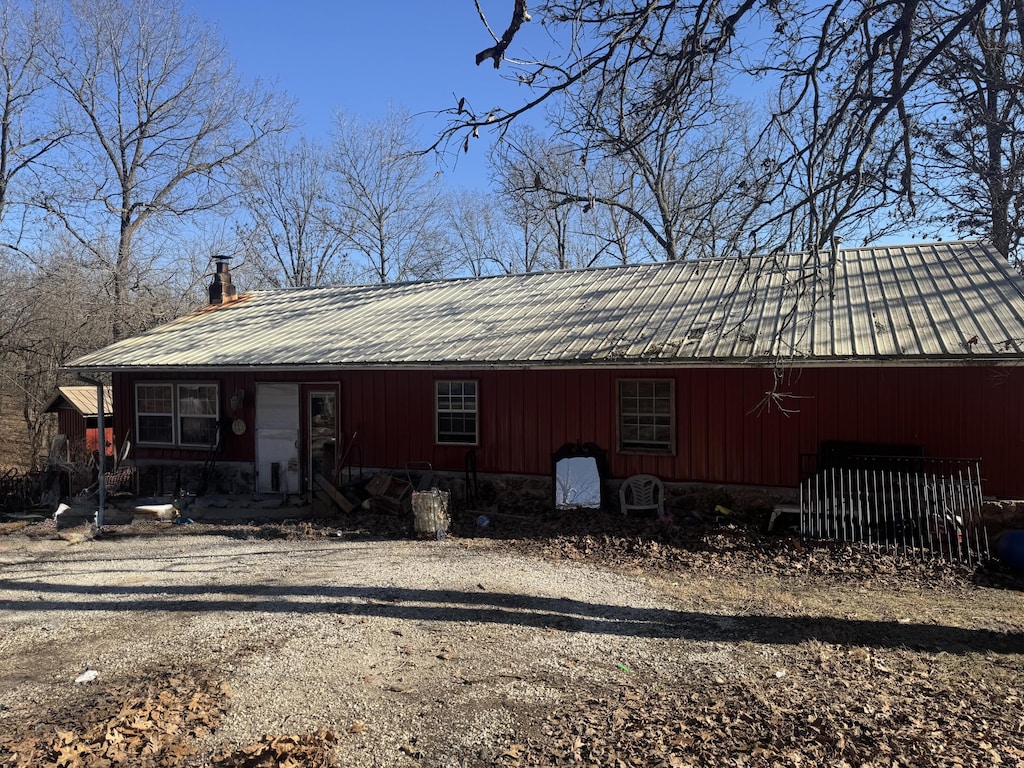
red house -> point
(720, 371)
(77, 410)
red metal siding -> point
(736, 429)
(92, 444)
(697, 408)
(71, 423)
(537, 393)
(724, 432)
(715, 406)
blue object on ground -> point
(1010, 549)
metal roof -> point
(907, 304)
(82, 399)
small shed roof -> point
(910, 304)
(82, 399)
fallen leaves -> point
(697, 543)
(308, 750)
(157, 723)
(653, 725)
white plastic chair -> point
(642, 492)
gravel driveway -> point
(435, 653)
(245, 647)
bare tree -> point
(29, 126)
(480, 237)
(858, 63)
(390, 202)
(21, 400)
(685, 169)
(615, 235)
(164, 119)
(292, 236)
(529, 250)
(809, 204)
(681, 187)
(545, 188)
(59, 322)
(972, 132)
(52, 309)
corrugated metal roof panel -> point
(82, 399)
(908, 303)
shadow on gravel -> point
(630, 541)
(482, 606)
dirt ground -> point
(302, 645)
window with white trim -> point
(154, 413)
(177, 414)
(647, 415)
(456, 407)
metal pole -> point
(101, 441)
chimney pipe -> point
(222, 290)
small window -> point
(456, 412)
(647, 416)
(155, 413)
(197, 414)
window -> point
(197, 414)
(155, 413)
(456, 412)
(646, 416)
(177, 414)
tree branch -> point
(497, 51)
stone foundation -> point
(1002, 515)
(534, 494)
(176, 479)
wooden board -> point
(335, 495)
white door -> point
(277, 438)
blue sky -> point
(363, 57)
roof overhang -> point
(772, 364)
(83, 399)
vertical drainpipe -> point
(101, 442)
